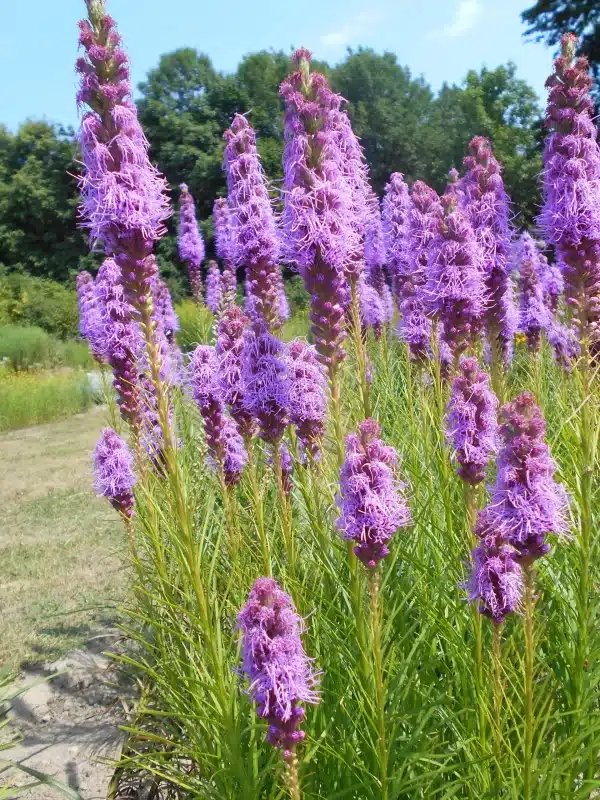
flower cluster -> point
(280, 674)
(214, 287)
(230, 350)
(395, 207)
(375, 256)
(372, 505)
(255, 240)
(91, 325)
(534, 315)
(307, 399)
(190, 242)
(115, 477)
(266, 381)
(472, 422)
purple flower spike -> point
(570, 217)
(164, 313)
(91, 325)
(229, 349)
(279, 672)
(563, 340)
(372, 311)
(375, 256)
(496, 582)
(423, 223)
(472, 422)
(191, 244)
(115, 478)
(307, 395)
(223, 232)
(255, 240)
(316, 226)
(225, 445)
(534, 313)
(455, 290)
(395, 207)
(552, 279)
(266, 381)
(372, 505)
(214, 287)
(124, 205)
(488, 208)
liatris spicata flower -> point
(91, 325)
(564, 343)
(571, 214)
(229, 349)
(552, 280)
(534, 314)
(190, 242)
(115, 477)
(123, 340)
(496, 581)
(124, 205)
(526, 498)
(214, 289)
(223, 440)
(395, 207)
(422, 224)
(455, 291)
(472, 422)
(255, 240)
(317, 235)
(279, 672)
(266, 382)
(487, 206)
(375, 256)
(371, 502)
(372, 312)
(163, 311)
(307, 395)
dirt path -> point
(62, 552)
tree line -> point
(185, 105)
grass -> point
(31, 398)
(61, 548)
(25, 347)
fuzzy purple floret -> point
(496, 582)
(280, 674)
(375, 257)
(163, 312)
(307, 395)
(224, 442)
(316, 228)
(230, 350)
(255, 240)
(114, 468)
(190, 242)
(91, 325)
(552, 280)
(214, 287)
(372, 311)
(266, 381)
(472, 421)
(371, 502)
(455, 292)
(395, 207)
(563, 340)
(487, 206)
(124, 205)
(534, 314)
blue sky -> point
(440, 39)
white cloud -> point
(465, 18)
(358, 25)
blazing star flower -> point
(266, 381)
(124, 205)
(91, 326)
(375, 256)
(422, 224)
(255, 240)
(190, 242)
(115, 477)
(229, 350)
(123, 342)
(214, 288)
(570, 217)
(488, 209)
(316, 229)
(534, 314)
(496, 582)
(163, 312)
(279, 672)
(372, 312)
(307, 395)
(563, 340)
(552, 279)
(472, 422)
(395, 207)
(455, 291)
(371, 502)
(225, 445)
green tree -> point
(549, 19)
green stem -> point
(336, 403)
(497, 368)
(498, 694)
(293, 778)
(375, 607)
(360, 352)
(528, 686)
(259, 515)
(286, 512)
